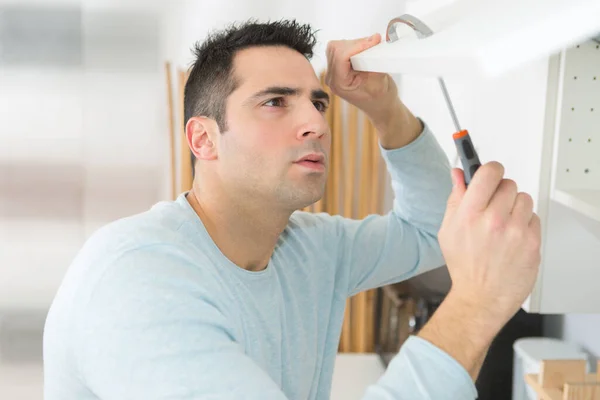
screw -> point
(589, 140)
(574, 77)
(570, 140)
(587, 170)
(572, 108)
(567, 169)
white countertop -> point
(353, 373)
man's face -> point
(275, 117)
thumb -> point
(360, 45)
(458, 189)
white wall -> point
(190, 21)
(80, 145)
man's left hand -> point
(369, 91)
(376, 94)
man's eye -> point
(321, 106)
(276, 102)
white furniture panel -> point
(484, 37)
(577, 163)
(569, 281)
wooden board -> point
(171, 122)
(337, 155)
(360, 301)
(575, 391)
(185, 164)
(565, 380)
(349, 184)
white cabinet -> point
(569, 198)
(524, 77)
(483, 37)
(576, 168)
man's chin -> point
(309, 200)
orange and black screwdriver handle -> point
(466, 150)
(467, 154)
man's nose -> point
(315, 125)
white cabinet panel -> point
(570, 275)
(568, 281)
(485, 37)
(504, 115)
(577, 141)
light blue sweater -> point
(151, 309)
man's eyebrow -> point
(288, 91)
(320, 94)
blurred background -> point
(87, 115)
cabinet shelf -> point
(484, 38)
(586, 202)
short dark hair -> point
(211, 80)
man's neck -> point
(246, 235)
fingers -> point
(458, 188)
(522, 211)
(485, 182)
(458, 191)
(535, 230)
(535, 225)
(349, 48)
(340, 51)
(503, 200)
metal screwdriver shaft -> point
(462, 139)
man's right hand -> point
(490, 238)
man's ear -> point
(201, 134)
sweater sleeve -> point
(384, 249)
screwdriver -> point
(464, 146)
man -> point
(230, 293)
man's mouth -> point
(313, 161)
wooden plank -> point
(327, 199)
(375, 187)
(564, 380)
(374, 208)
(555, 373)
(365, 169)
(349, 184)
(543, 393)
(582, 391)
(360, 301)
(348, 207)
(171, 122)
(337, 151)
(185, 163)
